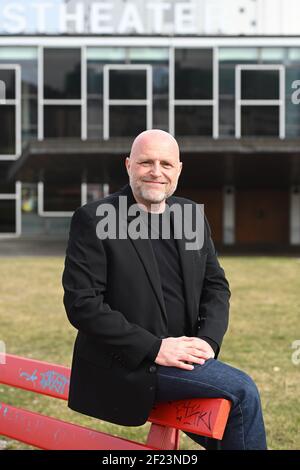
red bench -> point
(207, 417)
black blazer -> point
(114, 299)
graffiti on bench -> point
(190, 413)
(4, 410)
(50, 380)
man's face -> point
(153, 170)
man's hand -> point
(182, 352)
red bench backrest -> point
(201, 416)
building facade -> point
(70, 106)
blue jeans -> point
(215, 379)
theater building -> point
(71, 104)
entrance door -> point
(262, 217)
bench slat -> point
(36, 376)
(53, 434)
(207, 417)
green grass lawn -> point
(265, 320)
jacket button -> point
(151, 388)
(152, 369)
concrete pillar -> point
(295, 215)
(228, 215)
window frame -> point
(82, 101)
(214, 102)
(40, 202)
(107, 101)
(17, 197)
(17, 103)
(239, 102)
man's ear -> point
(127, 163)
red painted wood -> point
(36, 376)
(163, 437)
(53, 434)
(207, 417)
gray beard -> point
(146, 195)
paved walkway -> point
(46, 246)
(32, 247)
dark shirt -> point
(168, 261)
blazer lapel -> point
(187, 260)
(145, 252)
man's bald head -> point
(154, 137)
(153, 168)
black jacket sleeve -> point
(152, 354)
(212, 343)
(84, 282)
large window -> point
(136, 85)
(259, 121)
(8, 216)
(158, 59)
(8, 130)
(192, 100)
(62, 74)
(62, 121)
(128, 84)
(25, 58)
(228, 59)
(259, 84)
(194, 120)
(58, 199)
(260, 100)
(125, 88)
(127, 120)
(59, 92)
(10, 211)
(193, 74)
(262, 85)
(96, 59)
(10, 112)
(8, 77)
(62, 97)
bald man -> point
(151, 313)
